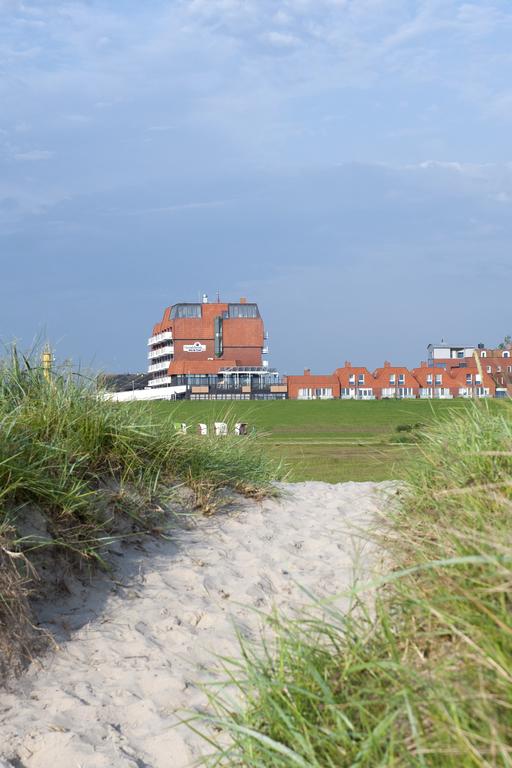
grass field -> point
(331, 440)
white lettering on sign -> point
(195, 347)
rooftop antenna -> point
(218, 296)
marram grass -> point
(90, 469)
(422, 679)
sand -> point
(134, 648)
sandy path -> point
(131, 651)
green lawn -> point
(332, 440)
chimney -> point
(243, 300)
(387, 364)
(348, 364)
(307, 371)
(423, 364)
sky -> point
(345, 163)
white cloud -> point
(176, 208)
(160, 128)
(34, 155)
(281, 39)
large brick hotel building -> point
(213, 350)
(217, 350)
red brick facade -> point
(313, 387)
(391, 381)
(242, 343)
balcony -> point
(161, 381)
(163, 366)
(164, 336)
(161, 351)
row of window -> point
(311, 393)
(361, 393)
(187, 311)
(360, 379)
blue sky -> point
(346, 163)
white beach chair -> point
(221, 428)
(240, 428)
(203, 429)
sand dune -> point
(133, 650)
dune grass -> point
(77, 471)
(424, 678)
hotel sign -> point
(195, 347)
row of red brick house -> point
(456, 378)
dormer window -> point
(469, 378)
(352, 378)
(429, 378)
(483, 353)
(401, 378)
(392, 378)
(439, 379)
(360, 379)
(506, 353)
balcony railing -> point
(160, 381)
(163, 366)
(161, 351)
(164, 336)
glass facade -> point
(243, 310)
(180, 311)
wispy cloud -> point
(34, 155)
(175, 208)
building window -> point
(352, 378)
(360, 379)
(439, 378)
(469, 378)
(305, 394)
(401, 378)
(185, 311)
(392, 378)
(506, 353)
(429, 378)
(323, 392)
(243, 310)
(489, 369)
(483, 353)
